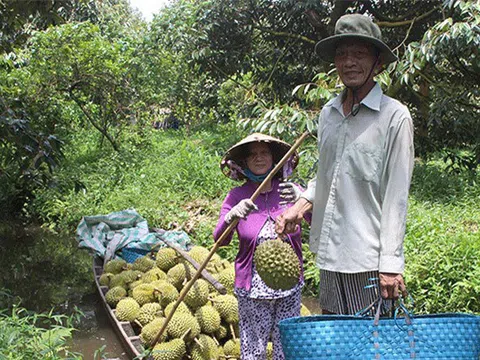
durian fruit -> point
(171, 350)
(166, 292)
(304, 311)
(104, 279)
(127, 309)
(115, 266)
(204, 348)
(153, 275)
(198, 253)
(277, 264)
(144, 293)
(197, 296)
(150, 332)
(179, 274)
(183, 325)
(232, 348)
(227, 307)
(208, 319)
(181, 308)
(149, 312)
(269, 351)
(143, 263)
(221, 333)
(125, 278)
(166, 258)
(114, 295)
(226, 277)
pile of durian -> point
(205, 324)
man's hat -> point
(232, 161)
(354, 26)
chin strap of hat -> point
(356, 106)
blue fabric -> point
(341, 337)
(256, 178)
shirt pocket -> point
(362, 161)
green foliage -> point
(442, 244)
(43, 336)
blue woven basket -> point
(342, 337)
(131, 254)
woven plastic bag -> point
(452, 336)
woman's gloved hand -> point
(289, 192)
(240, 211)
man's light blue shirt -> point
(360, 192)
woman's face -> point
(259, 159)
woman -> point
(260, 307)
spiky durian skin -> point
(180, 323)
(143, 263)
(166, 258)
(208, 318)
(115, 266)
(127, 309)
(197, 296)
(232, 348)
(198, 253)
(277, 264)
(153, 275)
(204, 349)
(166, 292)
(179, 274)
(114, 295)
(171, 350)
(226, 277)
(104, 279)
(150, 332)
(149, 312)
(181, 308)
(227, 307)
(144, 293)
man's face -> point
(354, 61)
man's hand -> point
(289, 192)
(240, 211)
(391, 285)
(287, 222)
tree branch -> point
(406, 22)
(92, 121)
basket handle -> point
(401, 306)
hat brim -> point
(326, 48)
(239, 151)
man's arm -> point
(288, 221)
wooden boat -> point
(127, 332)
(124, 329)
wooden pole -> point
(227, 231)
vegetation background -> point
(101, 111)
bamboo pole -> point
(227, 231)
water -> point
(95, 332)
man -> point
(359, 196)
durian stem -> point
(198, 343)
(186, 332)
(138, 323)
(232, 329)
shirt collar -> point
(372, 100)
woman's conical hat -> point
(235, 156)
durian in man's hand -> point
(277, 264)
